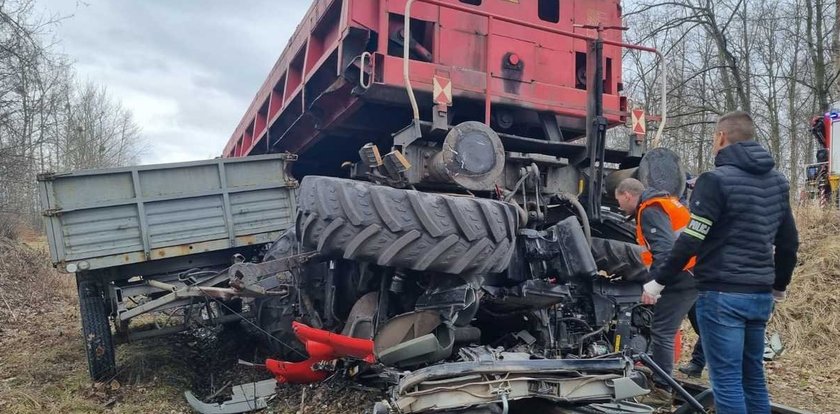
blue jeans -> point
(732, 327)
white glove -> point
(652, 292)
(779, 295)
(653, 288)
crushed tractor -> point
(419, 198)
(454, 167)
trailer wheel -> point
(96, 330)
(405, 229)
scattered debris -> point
(334, 396)
(773, 347)
(245, 398)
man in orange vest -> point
(660, 218)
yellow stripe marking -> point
(702, 219)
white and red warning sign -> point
(442, 90)
(639, 123)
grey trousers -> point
(668, 314)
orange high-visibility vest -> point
(679, 215)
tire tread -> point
(96, 331)
(405, 228)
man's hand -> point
(648, 299)
(779, 295)
(651, 293)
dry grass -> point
(809, 319)
(27, 281)
(9, 226)
(42, 365)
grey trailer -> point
(165, 234)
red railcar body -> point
(518, 65)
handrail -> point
(406, 34)
(365, 56)
(493, 16)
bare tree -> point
(47, 120)
(99, 132)
(770, 58)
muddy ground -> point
(43, 368)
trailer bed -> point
(98, 219)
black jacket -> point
(742, 228)
(656, 226)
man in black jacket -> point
(660, 217)
(743, 233)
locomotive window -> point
(473, 2)
(549, 10)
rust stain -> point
(247, 240)
(187, 249)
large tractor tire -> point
(405, 229)
(96, 330)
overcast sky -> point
(187, 69)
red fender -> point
(295, 372)
(321, 346)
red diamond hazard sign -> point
(639, 122)
(442, 90)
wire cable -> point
(254, 325)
